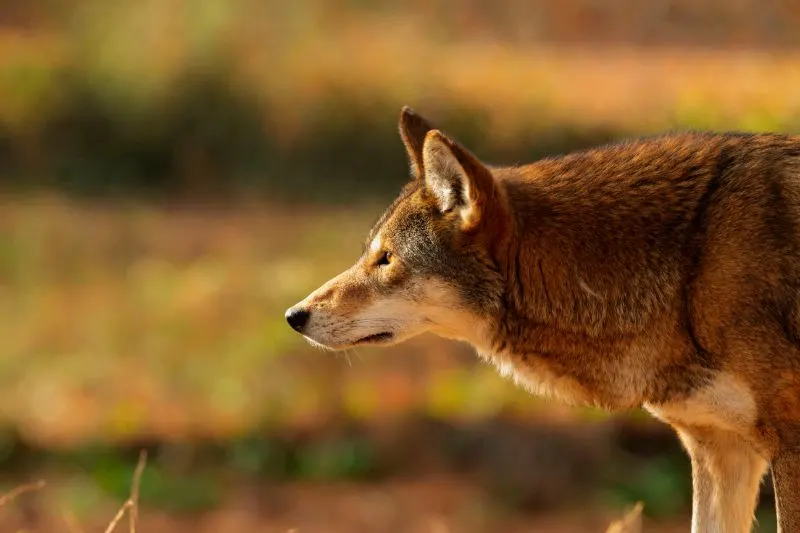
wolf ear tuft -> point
(456, 179)
(413, 129)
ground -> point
(412, 506)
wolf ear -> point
(458, 181)
(413, 129)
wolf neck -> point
(554, 283)
(591, 259)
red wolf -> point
(660, 272)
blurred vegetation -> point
(131, 321)
(169, 98)
(175, 173)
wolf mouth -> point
(377, 337)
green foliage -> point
(9, 442)
(663, 483)
(254, 456)
(766, 520)
(340, 458)
(111, 471)
(185, 492)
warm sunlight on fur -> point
(658, 273)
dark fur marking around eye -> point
(384, 259)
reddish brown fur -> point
(661, 272)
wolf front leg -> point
(726, 473)
(786, 480)
(702, 484)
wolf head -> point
(430, 264)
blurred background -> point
(175, 173)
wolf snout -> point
(297, 318)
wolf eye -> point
(384, 259)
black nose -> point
(297, 318)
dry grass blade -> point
(118, 516)
(630, 523)
(137, 480)
(132, 503)
(22, 489)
